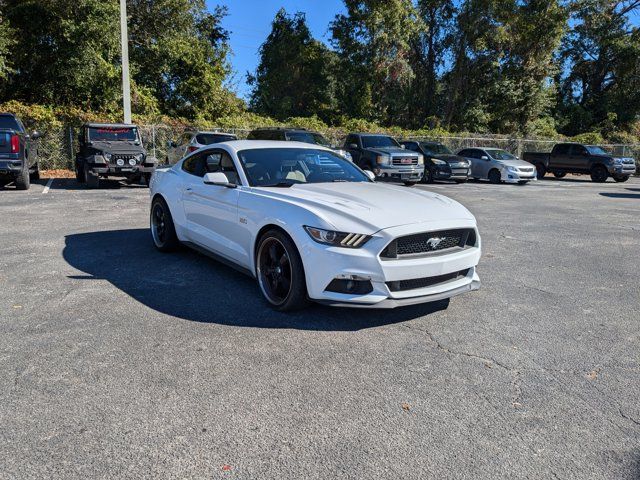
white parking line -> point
(48, 186)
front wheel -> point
(428, 176)
(163, 231)
(541, 171)
(621, 179)
(409, 184)
(559, 174)
(91, 178)
(280, 272)
(599, 174)
(494, 176)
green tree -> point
(67, 52)
(294, 77)
(602, 89)
(6, 42)
(179, 55)
(373, 42)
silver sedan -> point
(498, 166)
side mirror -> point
(484, 157)
(403, 147)
(371, 175)
(353, 146)
(219, 179)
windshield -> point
(501, 155)
(113, 134)
(9, 123)
(270, 167)
(435, 149)
(377, 141)
(308, 137)
(593, 150)
(211, 138)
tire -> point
(559, 174)
(541, 171)
(409, 184)
(599, 174)
(23, 181)
(280, 272)
(35, 175)
(163, 231)
(80, 177)
(91, 179)
(621, 179)
(428, 176)
(523, 182)
(494, 176)
(146, 178)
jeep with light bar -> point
(112, 150)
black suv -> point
(18, 155)
(295, 135)
(112, 150)
(440, 163)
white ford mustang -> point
(310, 225)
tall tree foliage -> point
(602, 88)
(373, 40)
(178, 51)
(294, 77)
(6, 42)
(65, 52)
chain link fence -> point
(56, 149)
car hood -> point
(515, 163)
(393, 151)
(369, 207)
(450, 158)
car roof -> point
(372, 134)
(238, 145)
(284, 129)
(109, 125)
(200, 132)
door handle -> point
(188, 190)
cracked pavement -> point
(117, 361)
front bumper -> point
(102, 169)
(622, 170)
(515, 177)
(324, 264)
(411, 173)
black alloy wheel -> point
(541, 171)
(494, 176)
(599, 174)
(280, 272)
(163, 231)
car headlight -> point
(383, 159)
(337, 239)
(140, 157)
(107, 156)
(438, 162)
(512, 169)
(420, 160)
(617, 161)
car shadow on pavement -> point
(620, 195)
(105, 184)
(193, 287)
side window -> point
(578, 150)
(221, 161)
(351, 139)
(276, 135)
(195, 165)
(561, 149)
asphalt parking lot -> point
(117, 361)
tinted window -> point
(578, 150)
(411, 146)
(259, 135)
(436, 149)
(351, 139)
(211, 138)
(10, 123)
(593, 150)
(113, 134)
(561, 149)
(378, 141)
(195, 165)
(308, 137)
(272, 166)
(500, 155)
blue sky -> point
(249, 22)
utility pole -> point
(124, 39)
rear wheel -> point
(541, 171)
(559, 174)
(621, 179)
(494, 176)
(409, 184)
(163, 230)
(599, 174)
(23, 182)
(280, 272)
(35, 175)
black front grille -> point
(126, 158)
(429, 242)
(415, 283)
